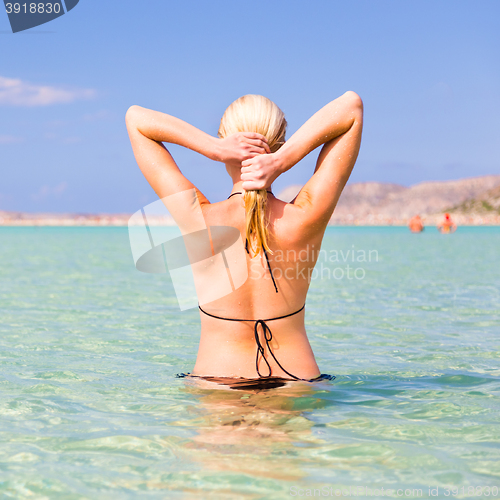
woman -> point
(258, 332)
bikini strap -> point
(238, 319)
(241, 192)
(268, 336)
(270, 270)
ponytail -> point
(256, 224)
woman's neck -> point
(237, 187)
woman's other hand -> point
(236, 148)
(260, 171)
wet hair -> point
(255, 113)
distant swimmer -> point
(447, 225)
(416, 225)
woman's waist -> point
(245, 338)
(238, 353)
(287, 331)
(289, 361)
(229, 343)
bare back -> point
(229, 348)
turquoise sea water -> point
(90, 407)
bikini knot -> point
(260, 348)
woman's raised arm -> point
(148, 129)
(338, 127)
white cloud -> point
(10, 139)
(46, 191)
(15, 92)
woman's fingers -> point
(247, 176)
(250, 158)
(246, 170)
(250, 167)
(242, 146)
(257, 140)
(257, 151)
(253, 177)
(254, 135)
(260, 144)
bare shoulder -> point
(224, 213)
(292, 224)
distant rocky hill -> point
(375, 202)
(486, 203)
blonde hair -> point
(255, 113)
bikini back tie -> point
(268, 336)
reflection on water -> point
(252, 431)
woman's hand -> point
(236, 148)
(260, 171)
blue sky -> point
(428, 73)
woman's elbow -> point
(355, 106)
(131, 114)
(354, 100)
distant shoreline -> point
(122, 220)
